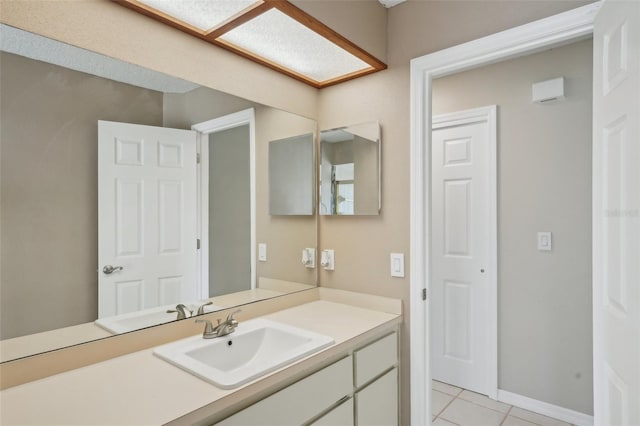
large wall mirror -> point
(350, 170)
(80, 136)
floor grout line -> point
(506, 415)
(446, 406)
(457, 396)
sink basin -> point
(146, 318)
(256, 348)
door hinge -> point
(424, 294)
(198, 244)
(198, 158)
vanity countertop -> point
(140, 388)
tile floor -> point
(451, 405)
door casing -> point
(556, 30)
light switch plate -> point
(397, 265)
(544, 241)
(262, 252)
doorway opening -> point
(552, 32)
(227, 259)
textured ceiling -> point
(40, 48)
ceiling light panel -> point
(202, 14)
(280, 39)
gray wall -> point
(229, 212)
(544, 184)
(48, 197)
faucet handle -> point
(231, 320)
(209, 331)
(201, 308)
(181, 310)
(230, 316)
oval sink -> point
(256, 348)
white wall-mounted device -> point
(309, 257)
(544, 241)
(548, 90)
(327, 260)
(262, 252)
(397, 265)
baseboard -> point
(544, 408)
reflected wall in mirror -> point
(350, 170)
(291, 176)
(49, 192)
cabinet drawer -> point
(296, 404)
(373, 359)
(377, 404)
(342, 415)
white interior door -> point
(146, 217)
(616, 214)
(463, 317)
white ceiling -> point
(43, 49)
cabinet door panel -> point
(342, 415)
(377, 404)
(301, 401)
(375, 358)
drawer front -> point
(377, 404)
(342, 415)
(296, 404)
(375, 358)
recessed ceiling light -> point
(274, 33)
(204, 15)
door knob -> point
(111, 269)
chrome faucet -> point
(221, 329)
(181, 310)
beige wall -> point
(48, 189)
(362, 244)
(285, 236)
(362, 22)
(544, 184)
(183, 110)
(105, 27)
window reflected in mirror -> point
(350, 170)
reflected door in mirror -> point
(146, 217)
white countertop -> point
(139, 388)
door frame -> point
(488, 114)
(556, 30)
(204, 129)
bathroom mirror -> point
(291, 177)
(350, 170)
(52, 96)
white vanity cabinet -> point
(360, 389)
(300, 402)
(376, 383)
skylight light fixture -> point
(274, 33)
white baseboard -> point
(544, 408)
